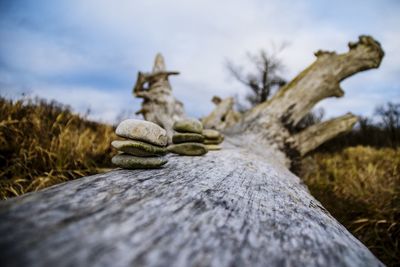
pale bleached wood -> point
(233, 207)
(159, 105)
(319, 81)
(223, 116)
(273, 122)
(318, 134)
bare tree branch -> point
(262, 82)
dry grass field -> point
(360, 187)
(42, 144)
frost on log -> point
(240, 206)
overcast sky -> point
(86, 53)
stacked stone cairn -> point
(188, 139)
(144, 146)
(212, 139)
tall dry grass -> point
(44, 143)
(360, 186)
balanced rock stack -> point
(212, 139)
(144, 146)
(188, 139)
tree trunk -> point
(239, 206)
(234, 207)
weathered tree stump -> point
(159, 104)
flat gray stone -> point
(214, 141)
(187, 137)
(127, 161)
(138, 148)
(188, 149)
(141, 130)
(211, 134)
(189, 125)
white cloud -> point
(104, 106)
(32, 52)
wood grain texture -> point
(234, 207)
(319, 133)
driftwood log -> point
(233, 207)
(240, 206)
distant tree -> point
(389, 115)
(264, 80)
(364, 123)
(368, 132)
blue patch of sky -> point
(50, 21)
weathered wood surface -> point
(318, 134)
(234, 207)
